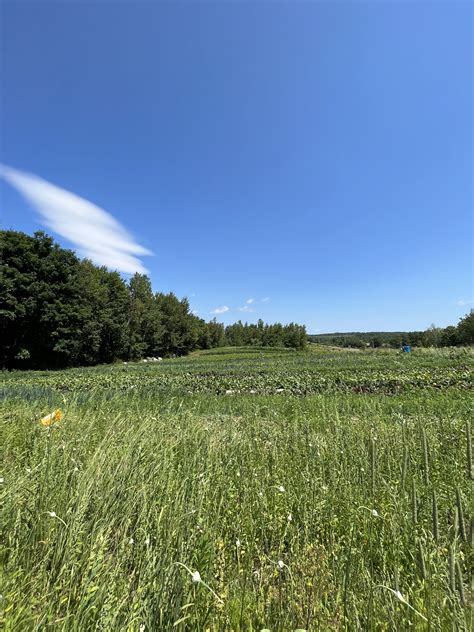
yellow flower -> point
(52, 418)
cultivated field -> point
(240, 489)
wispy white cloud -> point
(249, 307)
(253, 301)
(245, 308)
(461, 303)
(94, 231)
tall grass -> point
(321, 513)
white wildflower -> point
(53, 514)
(131, 541)
(147, 541)
(374, 512)
(281, 564)
(237, 543)
(290, 517)
(281, 489)
(196, 578)
(402, 599)
(399, 596)
(2, 480)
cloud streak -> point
(462, 303)
(94, 231)
(248, 308)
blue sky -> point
(318, 155)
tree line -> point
(57, 310)
(277, 335)
(461, 334)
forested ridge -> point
(57, 310)
(451, 336)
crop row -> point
(265, 383)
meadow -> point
(240, 489)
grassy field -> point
(240, 489)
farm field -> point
(240, 489)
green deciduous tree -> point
(59, 311)
(40, 301)
(465, 329)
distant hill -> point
(367, 338)
(360, 334)
(451, 336)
